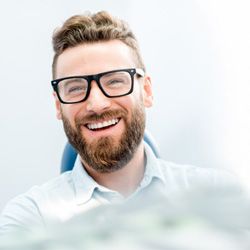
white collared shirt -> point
(74, 192)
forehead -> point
(94, 58)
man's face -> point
(105, 131)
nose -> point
(97, 102)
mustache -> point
(94, 117)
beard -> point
(104, 155)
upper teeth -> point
(102, 124)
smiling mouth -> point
(102, 125)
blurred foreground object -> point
(198, 219)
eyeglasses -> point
(115, 83)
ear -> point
(58, 107)
(147, 92)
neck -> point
(125, 180)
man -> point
(101, 90)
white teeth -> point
(102, 124)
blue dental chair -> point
(69, 153)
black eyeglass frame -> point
(96, 78)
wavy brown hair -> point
(90, 28)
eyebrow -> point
(73, 79)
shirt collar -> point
(152, 169)
(83, 182)
(85, 185)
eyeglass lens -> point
(113, 84)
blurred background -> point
(197, 53)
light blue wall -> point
(197, 53)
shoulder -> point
(27, 209)
(188, 175)
(61, 184)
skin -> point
(92, 59)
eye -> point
(76, 89)
(73, 86)
(115, 82)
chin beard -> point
(105, 155)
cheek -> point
(130, 103)
(70, 112)
(127, 102)
(138, 93)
